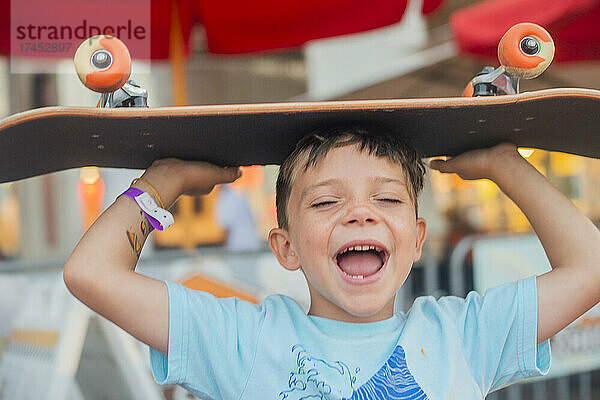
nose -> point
(360, 214)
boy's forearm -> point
(569, 238)
(101, 270)
(112, 244)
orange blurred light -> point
(91, 194)
(252, 177)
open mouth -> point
(360, 260)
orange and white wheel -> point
(103, 63)
(469, 90)
(526, 50)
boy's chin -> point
(352, 308)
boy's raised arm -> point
(101, 270)
(570, 239)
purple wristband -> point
(132, 193)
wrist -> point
(157, 216)
(508, 167)
(164, 194)
(144, 185)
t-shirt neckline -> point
(337, 328)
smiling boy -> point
(347, 215)
(328, 208)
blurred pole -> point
(539, 390)
(493, 396)
(431, 271)
(91, 194)
(563, 388)
(185, 204)
(513, 392)
(457, 260)
(585, 386)
(177, 58)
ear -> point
(281, 246)
(421, 234)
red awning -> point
(4, 26)
(234, 26)
(573, 25)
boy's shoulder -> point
(512, 300)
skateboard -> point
(123, 132)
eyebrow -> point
(334, 181)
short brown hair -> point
(316, 145)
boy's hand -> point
(172, 177)
(479, 164)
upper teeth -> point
(361, 248)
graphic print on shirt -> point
(318, 379)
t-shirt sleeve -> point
(212, 343)
(499, 333)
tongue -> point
(363, 263)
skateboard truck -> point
(524, 52)
(491, 82)
(103, 64)
(129, 95)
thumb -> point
(440, 165)
(202, 176)
(217, 175)
(230, 174)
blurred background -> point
(222, 52)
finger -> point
(201, 175)
(224, 174)
(439, 165)
(230, 174)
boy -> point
(347, 215)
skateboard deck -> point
(57, 138)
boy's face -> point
(351, 198)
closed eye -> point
(322, 204)
(394, 201)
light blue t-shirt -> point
(451, 348)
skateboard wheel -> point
(103, 63)
(526, 50)
(469, 90)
